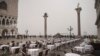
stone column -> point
(78, 10)
(45, 24)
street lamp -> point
(45, 24)
(26, 33)
(70, 29)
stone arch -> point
(3, 5)
(7, 22)
(15, 21)
(1, 15)
(3, 22)
(4, 32)
(11, 22)
(12, 31)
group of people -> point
(24, 47)
(40, 44)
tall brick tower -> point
(8, 17)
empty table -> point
(34, 52)
(79, 49)
(3, 46)
(57, 44)
(88, 48)
(32, 45)
(72, 54)
(50, 47)
(12, 49)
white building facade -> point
(97, 7)
(8, 17)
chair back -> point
(5, 48)
(17, 51)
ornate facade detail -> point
(8, 17)
(3, 5)
(97, 7)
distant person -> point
(12, 43)
(24, 50)
(41, 54)
(58, 55)
(8, 43)
(27, 44)
(17, 44)
(46, 53)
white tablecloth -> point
(3, 46)
(79, 48)
(88, 47)
(21, 44)
(32, 45)
(50, 47)
(12, 49)
(34, 52)
(87, 40)
(63, 42)
(57, 44)
(72, 54)
(83, 44)
(33, 42)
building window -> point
(1, 16)
(0, 22)
(15, 22)
(12, 31)
(3, 22)
(9, 17)
(12, 18)
(11, 22)
(7, 22)
(5, 16)
(3, 5)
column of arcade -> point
(7, 20)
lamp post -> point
(45, 24)
(70, 29)
(26, 33)
(78, 10)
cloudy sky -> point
(61, 15)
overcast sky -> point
(61, 15)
